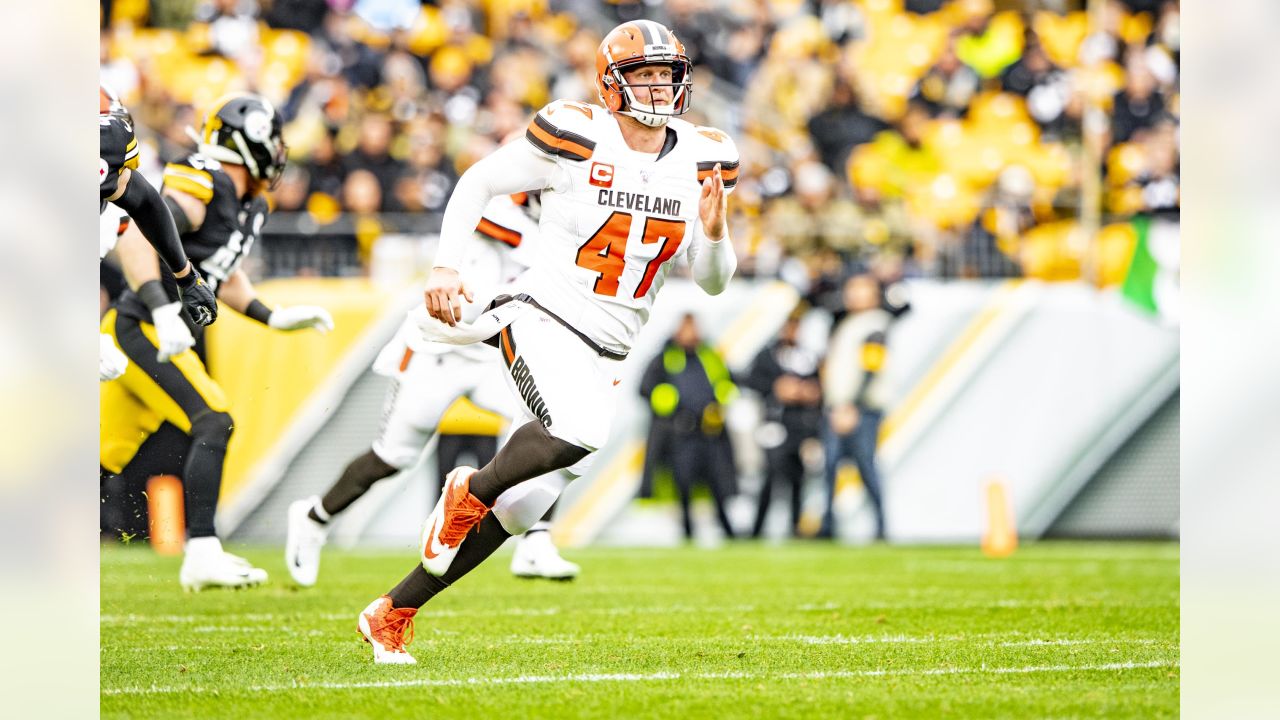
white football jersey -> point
(613, 219)
(501, 248)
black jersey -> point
(117, 150)
(230, 228)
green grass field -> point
(799, 631)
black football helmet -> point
(245, 129)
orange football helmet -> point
(109, 104)
(631, 45)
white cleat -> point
(388, 630)
(537, 557)
(303, 543)
(456, 512)
(204, 569)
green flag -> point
(1152, 281)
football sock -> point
(357, 478)
(531, 451)
(418, 587)
(202, 476)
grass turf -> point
(802, 630)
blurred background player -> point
(217, 200)
(853, 393)
(785, 375)
(130, 191)
(648, 187)
(426, 378)
(688, 388)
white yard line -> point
(637, 677)
(1048, 603)
(433, 637)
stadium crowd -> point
(948, 138)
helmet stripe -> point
(650, 28)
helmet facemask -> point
(681, 85)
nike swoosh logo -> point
(427, 552)
(615, 382)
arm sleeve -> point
(147, 208)
(713, 261)
(514, 167)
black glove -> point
(197, 298)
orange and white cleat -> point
(456, 512)
(388, 630)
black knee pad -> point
(212, 429)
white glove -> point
(300, 317)
(111, 362)
(171, 331)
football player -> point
(217, 200)
(130, 191)
(627, 188)
(426, 378)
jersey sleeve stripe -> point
(197, 183)
(552, 140)
(131, 156)
(728, 171)
(491, 229)
(198, 176)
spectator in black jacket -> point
(1140, 105)
(688, 386)
(785, 374)
(842, 127)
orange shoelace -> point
(396, 629)
(462, 511)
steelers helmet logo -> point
(102, 170)
(257, 126)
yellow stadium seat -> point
(1125, 162)
(1136, 28)
(1100, 83)
(1050, 164)
(1061, 35)
(284, 61)
(1112, 253)
(997, 109)
(197, 38)
(874, 9)
(134, 12)
(1125, 200)
(428, 32)
(869, 167)
(1049, 251)
(944, 200)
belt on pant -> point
(601, 351)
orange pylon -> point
(1001, 536)
(166, 520)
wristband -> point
(153, 295)
(258, 311)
